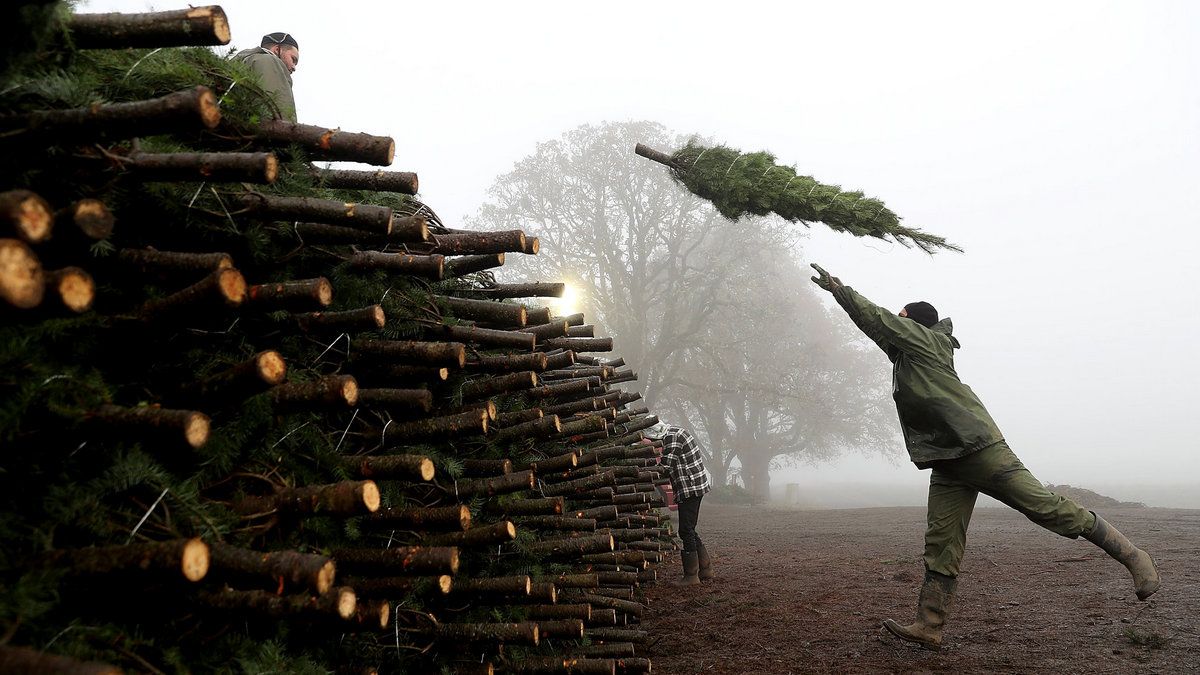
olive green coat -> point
(940, 416)
(276, 79)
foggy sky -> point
(1057, 143)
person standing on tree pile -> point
(274, 62)
(947, 429)
(689, 484)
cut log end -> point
(29, 214)
(326, 576)
(347, 603)
(426, 472)
(208, 108)
(21, 278)
(272, 369)
(324, 292)
(232, 285)
(270, 169)
(194, 561)
(380, 318)
(74, 287)
(464, 517)
(533, 245)
(445, 582)
(370, 496)
(350, 391)
(93, 218)
(216, 18)
(196, 430)
(391, 152)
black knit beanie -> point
(279, 39)
(922, 312)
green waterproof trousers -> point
(995, 471)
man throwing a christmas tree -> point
(947, 429)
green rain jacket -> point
(940, 416)
(276, 80)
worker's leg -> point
(689, 513)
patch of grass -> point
(1151, 639)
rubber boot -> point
(706, 573)
(691, 570)
(1138, 562)
(932, 607)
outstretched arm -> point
(883, 327)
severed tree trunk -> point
(470, 422)
(544, 592)
(480, 243)
(486, 535)
(347, 498)
(464, 265)
(529, 290)
(546, 331)
(337, 392)
(612, 650)
(29, 661)
(532, 245)
(486, 467)
(377, 219)
(563, 462)
(515, 585)
(563, 665)
(577, 372)
(427, 266)
(393, 375)
(338, 604)
(405, 230)
(515, 417)
(26, 216)
(70, 288)
(151, 424)
(22, 281)
(571, 629)
(187, 110)
(214, 167)
(636, 558)
(601, 543)
(496, 485)
(298, 295)
(629, 607)
(195, 26)
(572, 473)
(583, 612)
(173, 263)
(491, 386)
(276, 569)
(586, 580)
(559, 523)
(420, 400)
(453, 354)
(255, 375)
(580, 344)
(398, 560)
(501, 313)
(222, 290)
(535, 361)
(485, 336)
(329, 144)
(403, 182)
(558, 389)
(189, 557)
(367, 318)
(400, 587)
(575, 319)
(587, 330)
(538, 315)
(395, 467)
(372, 615)
(559, 359)
(586, 425)
(640, 637)
(84, 221)
(542, 427)
(525, 633)
(527, 507)
(457, 517)
(622, 376)
(598, 513)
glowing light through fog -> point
(571, 301)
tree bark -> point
(324, 393)
(586, 580)
(464, 265)
(393, 375)
(296, 296)
(563, 462)
(611, 650)
(486, 535)
(565, 523)
(367, 318)
(195, 26)
(509, 482)
(479, 243)
(563, 665)
(599, 513)
(399, 587)
(515, 585)
(559, 389)
(575, 319)
(457, 517)
(152, 424)
(573, 373)
(398, 560)
(187, 110)
(527, 507)
(213, 167)
(233, 385)
(486, 467)
(427, 266)
(405, 230)
(538, 289)
(173, 263)
(574, 546)
(70, 288)
(515, 417)
(189, 557)
(622, 376)
(491, 386)
(484, 336)
(636, 558)
(583, 426)
(640, 637)
(535, 361)
(29, 661)
(394, 467)
(347, 498)
(452, 354)
(560, 359)
(542, 427)
(275, 569)
(580, 344)
(570, 629)
(83, 222)
(329, 144)
(22, 281)
(583, 612)
(26, 216)
(338, 603)
(403, 182)
(222, 290)
(532, 245)
(525, 633)
(634, 608)
(499, 313)
(368, 217)
(547, 331)
(470, 422)
(408, 400)
(654, 155)
(584, 331)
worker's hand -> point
(825, 281)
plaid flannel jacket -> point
(681, 455)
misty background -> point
(1057, 144)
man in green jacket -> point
(274, 62)
(947, 429)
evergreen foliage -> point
(740, 183)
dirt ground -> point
(805, 591)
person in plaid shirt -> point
(689, 483)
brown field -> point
(805, 591)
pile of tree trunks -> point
(333, 417)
